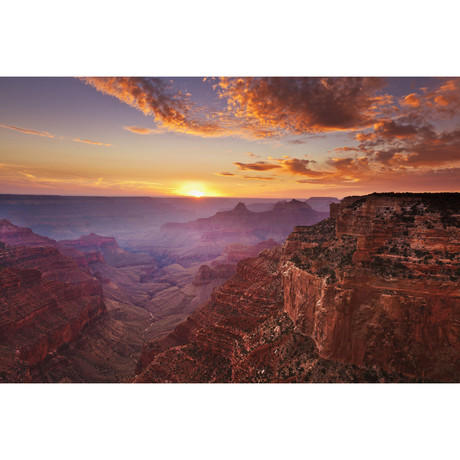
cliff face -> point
(20, 236)
(46, 300)
(379, 283)
(243, 335)
(65, 314)
(371, 294)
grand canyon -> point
(229, 230)
(369, 292)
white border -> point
(242, 37)
(178, 38)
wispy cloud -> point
(12, 175)
(88, 141)
(35, 132)
(144, 131)
(257, 166)
(258, 177)
(155, 97)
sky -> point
(240, 137)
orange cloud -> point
(411, 100)
(298, 166)
(224, 174)
(87, 141)
(143, 131)
(51, 136)
(155, 97)
(362, 137)
(256, 107)
(395, 129)
(439, 102)
(347, 149)
(258, 177)
(28, 131)
(293, 108)
(272, 106)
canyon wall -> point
(378, 284)
(370, 294)
(46, 301)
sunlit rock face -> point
(369, 295)
(379, 284)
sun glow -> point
(197, 189)
(196, 193)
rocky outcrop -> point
(206, 274)
(14, 235)
(205, 239)
(18, 236)
(322, 203)
(46, 300)
(379, 284)
(235, 252)
(48, 296)
(108, 247)
(277, 221)
(371, 294)
(243, 335)
(208, 333)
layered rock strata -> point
(371, 294)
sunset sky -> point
(244, 137)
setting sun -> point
(195, 189)
(196, 193)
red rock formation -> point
(108, 247)
(14, 235)
(370, 295)
(277, 221)
(379, 285)
(239, 303)
(243, 335)
(19, 236)
(235, 252)
(46, 300)
(40, 310)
